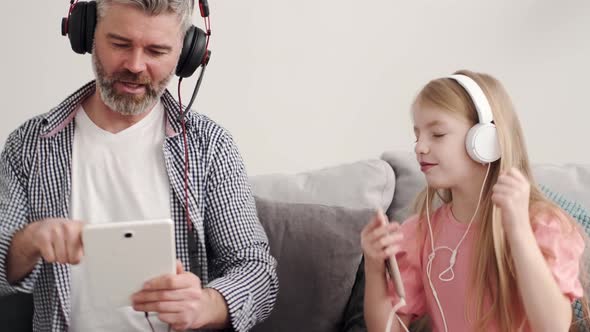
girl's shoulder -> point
(549, 218)
(562, 244)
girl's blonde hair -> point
(492, 266)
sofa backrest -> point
(570, 180)
(364, 184)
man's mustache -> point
(130, 77)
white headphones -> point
(482, 139)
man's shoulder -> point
(54, 118)
(206, 129)
(29, 129)
(22, 141)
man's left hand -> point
(179, 299)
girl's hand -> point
(511, 194)
(380, 240)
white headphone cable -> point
(454, 252)
(392, 314)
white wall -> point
(307, 84)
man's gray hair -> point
(182, 8)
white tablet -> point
(120, 256)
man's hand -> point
(180, 301)
(56, 240)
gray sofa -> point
(313, 221)
(338, 201)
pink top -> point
(562, 249)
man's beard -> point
(127, 104)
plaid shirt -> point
(232, 248)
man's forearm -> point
(21, 256)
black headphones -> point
(80, 24)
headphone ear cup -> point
(77, 27)
(482, 143)
(90, 26)
(193, 52)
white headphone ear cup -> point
(482, 143)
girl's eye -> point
(438, 135)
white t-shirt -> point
(116, 177)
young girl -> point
(485, 251)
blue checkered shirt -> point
(232, 248)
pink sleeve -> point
(562, 247)
(411, 270)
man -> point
(114, 151)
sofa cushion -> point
(409, 181)
(318, 252)
(571, 180)
(360, 185)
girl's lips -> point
(424, 167)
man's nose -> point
(136, 63)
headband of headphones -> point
(482, 105)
